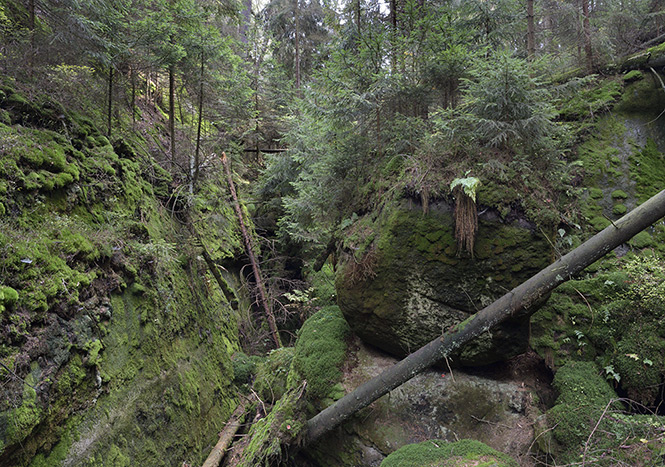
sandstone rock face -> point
(497, 409)
(419, 286)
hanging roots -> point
(466, 221)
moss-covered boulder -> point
(319, 353)
(463, 453)
(411, 285)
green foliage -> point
(438, 452)
(504, 107)
(468, 184)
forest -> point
(332, 233)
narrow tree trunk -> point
(358, 12)
(296, 13)
(110, 102)
(246, 20)
(250, 252)
(393, 45)
(586, 33)
(132, 74)
(31, 26)
(195, 171)
(172, 111)
(530, 31)
(518, 301)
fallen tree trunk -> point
(226, 437)
(517, 301)
(260, 285)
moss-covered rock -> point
(642, 96)
(411, 285)
(463, 453)
(271, 374)
(319, 352)
(115, 338)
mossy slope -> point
(606, 325)
(115, 338)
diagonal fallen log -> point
(226, 437)
(517, 301)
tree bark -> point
(226, 437)
(296, 14)
(172, 111)
(132, 74)
(110, 102)
(530, 31)
(516, 302)
(197, 162)
(586, 33)
(252, 259)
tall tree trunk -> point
(260, 285)
(358, 16)
(132, 74)
(31, 26)
(296, 14)
(393, 22)
(586, 33)
(197, 160)
(172, 111)
(246, 20)
(110, 102)
(518, 301)
(530, 31)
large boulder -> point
(498, 407)
(412, 284)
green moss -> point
(8, 296)
(643, 96)
(595, 193)
(244, 367)
(437, 452)
(619, 209)
(599, 223)
(93, 348)
(619, 194)
(583, 396)
(640, 360)
(592, 99)
(161, 350)
(58, 454)
(633, 75)
(320, 351)
(271, 375)
(641, 240)
(20, 421)
(648, 170)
